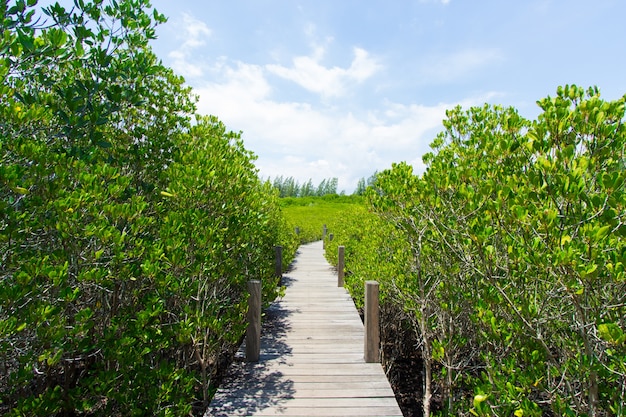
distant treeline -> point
(290, 187)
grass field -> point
(310, 214)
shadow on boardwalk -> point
(259, 385)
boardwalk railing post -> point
(372, 330)
(324, 231)
(253, 332)
(341, 265)
(278, 270)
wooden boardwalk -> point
(311, 355)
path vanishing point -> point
(312, 361)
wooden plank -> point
(343, 380)
(315, 359)
(365, 368)
(242, 392)
(271, 381)
(318, 411)
(255, 401)
(319, 349)
(303, 388)
(316, 369)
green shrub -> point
(310, 214)
(507, 254)
(127, 236)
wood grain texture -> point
(311, 360)
(372, 329)
(253, 332)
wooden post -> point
(297, 230)
(253, 332)
(341, 265)
(324, 230)
(372, 329)
(331, 236)
(278, 270)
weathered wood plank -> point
(283, 410)
(319, 349)
(304, 389)
(241, 392)
(296, 402)
(328, 380)
(305, 369)
(314, 359)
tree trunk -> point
(427, 364)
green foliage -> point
(509, 256)
(373, 250)
(310, 214)
(220, 225)
(126, 235)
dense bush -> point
(126, 233)
(508, 253)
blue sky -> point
(343, 88)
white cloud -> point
(193, 35)
(310, 74)
(305, 140)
